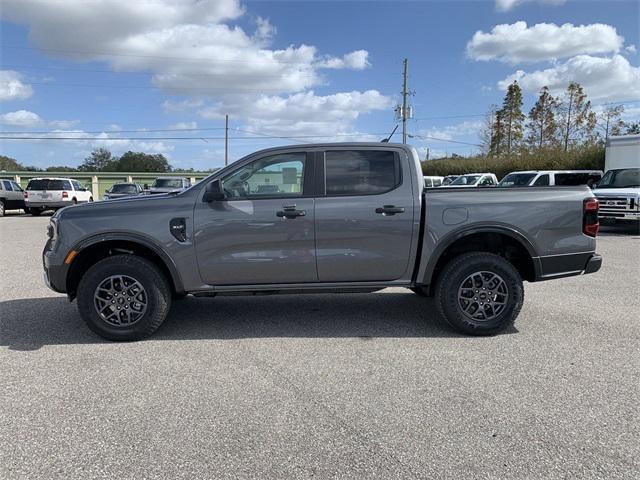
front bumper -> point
(55, 270)
(620, 215)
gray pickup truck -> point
(349, 217)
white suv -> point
(475, 180)
(52, 193)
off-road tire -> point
(1, 208)
(454, 274)
(147, 274)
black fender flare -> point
(448, 240)
(134, 238)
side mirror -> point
(213, 192)
(106, 191)
(146, 186)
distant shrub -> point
(586, 158)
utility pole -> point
(404, 100)
(226, 140)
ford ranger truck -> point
(351, 217)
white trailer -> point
(622, 152)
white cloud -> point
(506, 5)
(20, 118)
(299, 114)
(11, 86)
(114, 127)
(357, 60)
(517, 42)
(63, 123)
(184, 125)
(605, 79)
(110, 141)
(173, 106)
(451, 132)
(631, 49)
(190, 46)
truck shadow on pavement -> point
(28, 324)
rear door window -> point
(571, 179)
(542, 181)
(361, 172)
(16, 187)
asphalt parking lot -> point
(323, 386)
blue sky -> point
(105, 70)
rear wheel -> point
(35, 211)
(1, 208)
(124, 297)
(479, 293)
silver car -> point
(11, 196)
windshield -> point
(123, 188)
(46, 184)
(167, 183)
(517, 180)
(466, 180)
(623, 178)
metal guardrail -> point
(98, 182)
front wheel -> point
(124, 297)
(479, 293)
(1, 208)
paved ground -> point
(353, 386)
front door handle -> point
(389, 210)
(290, 212)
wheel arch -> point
(94, 249)
(506, 242)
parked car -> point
(432, 181)
(619, 195)
(546, 178)
(11, 196)
(448, 179)
(53, 193)
(169, 184)
(346, 217)
(475, 180)
(121, 190)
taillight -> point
(25, 194)
(65, 194)
(590, 224)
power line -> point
(427, 137)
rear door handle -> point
(389, 210)
(290, 212)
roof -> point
(53, 178)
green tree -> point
(576, 120)
(512, 118)
(610, 120)
(486, 131)
(496, 143)
(9, 164)
(542, 126)
(99, 160)
(61, 168)
(141, 162)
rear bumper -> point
(559, 266)
(45, 205)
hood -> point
(617, 192)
